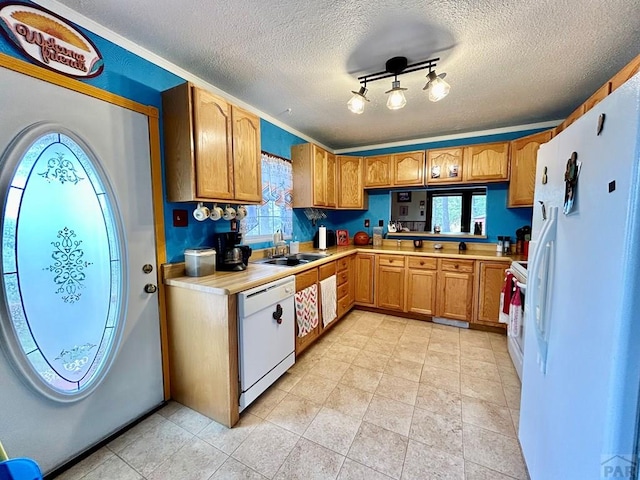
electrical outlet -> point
(366, 223)
(381, 223)
(180, 218)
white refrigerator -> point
(581, 371)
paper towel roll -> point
(322, 237)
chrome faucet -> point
(279, 250)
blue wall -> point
(500, 219)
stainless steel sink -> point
(309, 256)
(293, 260)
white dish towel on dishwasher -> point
(328, 294)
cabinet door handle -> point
(421, 263)
(277, 315)
(457, 266)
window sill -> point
(261, 239)
(435, 235)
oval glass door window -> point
(62, 258)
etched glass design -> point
(61, 258)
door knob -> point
(150, 288)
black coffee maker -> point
(230, 255)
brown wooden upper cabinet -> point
(247, 168)
(444, 165)
(524, 155)
(212, 148)
(314, 176)
(398, 170)
(331, 186)
(408, 169)
(377, 171)
(487, 162)
(351, 194)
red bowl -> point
(361, 238)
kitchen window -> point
(276, 210)
(456, 211)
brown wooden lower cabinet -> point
(490, 280)
(390, 282)
(325, 271)
(390, 293)
(345, 285)
(455, 289)
(352, 280)
(365, 264)
(421, 282)
(304, 280)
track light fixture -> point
(436, 86)
(357, 102)
(396, 98)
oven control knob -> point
(277, 315)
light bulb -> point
(438, 88)
(357, 102)
(396, 98)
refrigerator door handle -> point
(539, 288)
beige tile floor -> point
(377, 397)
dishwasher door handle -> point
(277, 315)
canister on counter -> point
(377, 236)
(199, 262)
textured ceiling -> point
(508, 62)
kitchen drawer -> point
(343, 277)
(391, 260)
(457, 266)
(343, 305)
(327, 270)
(343, 290)
(343, 264)
(306, 279)
(423, 263)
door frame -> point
(153, 116)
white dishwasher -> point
(266, 335)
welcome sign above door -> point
(49, 40)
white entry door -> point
(80, 335)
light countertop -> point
(256, 274)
